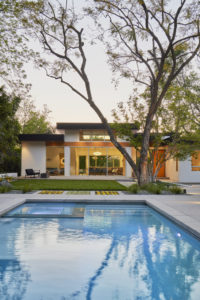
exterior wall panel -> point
(33, 156)
(170, 170)
(72, 136)
(186, 174)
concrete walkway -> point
(183, 209)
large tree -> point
(149, 41)
(176, 126)
(9, 130)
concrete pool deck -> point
(182, 209)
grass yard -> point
(53, 184)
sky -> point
(65, 105)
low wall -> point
(8, 174)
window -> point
(196, 161)
(94, 135)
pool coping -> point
(184, 220)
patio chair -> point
(32, 173)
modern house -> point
(85, 149)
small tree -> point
(33, 120)
(148, 34)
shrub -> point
(176, 190)
(134, 188)
(8, 178)
(26, 189)
(152, 188)
(5, 189)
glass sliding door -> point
(79, 161)
(96, 161)
(115, 162)
(55, 160)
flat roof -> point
(84, 126)
(42, 137)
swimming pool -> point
(110, 252)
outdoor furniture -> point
(32, 173)
(44, 175)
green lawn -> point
(52, 184)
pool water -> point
(116, 252)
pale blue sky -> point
(65, 105)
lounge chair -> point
(32, 173)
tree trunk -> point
(143, 176)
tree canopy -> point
(15, 49)
(33, 120)
(175, 127)
(9, 131)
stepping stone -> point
(51, 192)
(78, 192)
(106, 193)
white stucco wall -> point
(33, 156)
(71, 135)
(186, 174)
(128, 168)
(67, 161)
(170, 170)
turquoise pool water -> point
(116, 252)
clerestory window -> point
(94, 135)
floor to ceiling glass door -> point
(96, 161)
(55, 160)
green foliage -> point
(152, 188)
(5, 189)
(10, 128)
(14, 48)
(134, 188)
(176, 124)
(175, 190)
(38, 123)
(26, 189)
(33, 120)
(155, 188)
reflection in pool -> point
(114, 252)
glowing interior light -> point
(97, 153)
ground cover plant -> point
(156, 188)
(53, 184)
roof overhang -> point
(42, 137)
(84, 126)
